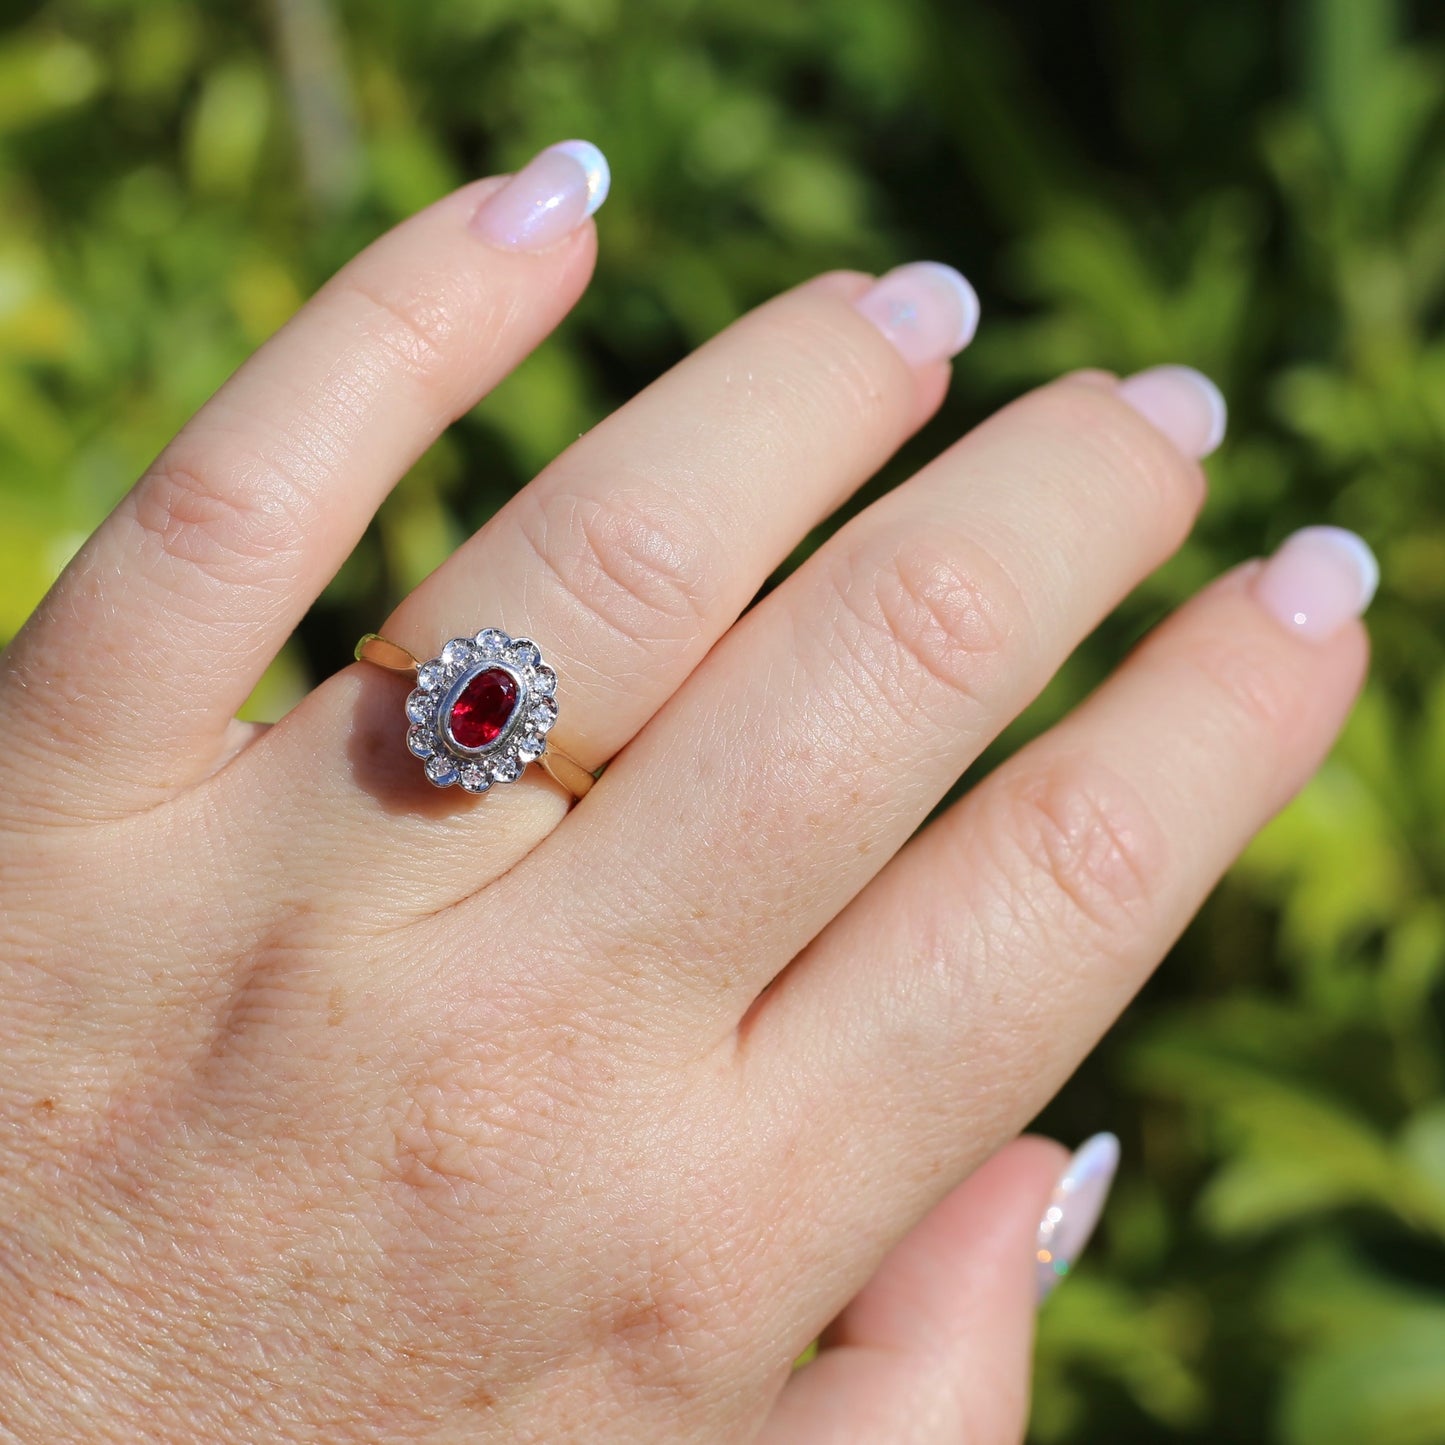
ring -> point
(480, 711)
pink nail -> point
(547, 199)
(1182, 403)
(1074, 1209)
(926, 309)
(1318, 580)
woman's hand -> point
(339, 1108)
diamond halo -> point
(481, 710)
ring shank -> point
(392, 656)
(567, 771)
(382, 652)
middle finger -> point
(819, 734)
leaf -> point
(1146, 1346)
(43, 75)
(1423, 1144)
(228, 128)
(1255, 1193)
(1384, 1389)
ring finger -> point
(630, 555)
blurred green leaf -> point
(228, 128)
(42, 76)
(1140, 1345)
(1424, 1145)
(1389, 1390)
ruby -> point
(483, 708)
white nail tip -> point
(1074, 1209)
(599, 173)
(1096, 1159)
(1353, 548)
(966, 297)
(1214, 400)
(1218, 412)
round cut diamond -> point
(491, 641)
(430, 676)
(544, 713)
(507, 770)
(421, 741)
(420, 706)
(483, 709)
(544, 680)
(458, 652)
(525, 652)
(474, 778)
(441, 770)
(530, 748)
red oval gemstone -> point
(483, 708)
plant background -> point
(1255, 188)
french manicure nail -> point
(547, 199)
(1318, 580)
(1182, 403)
(926, 309)
(1074, 1209)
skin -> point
(338, 1109)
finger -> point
(121, 686)
(643, 542)
(936, 1347)
(835, 715)
(639, 546)
(994, 951)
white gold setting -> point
(440, 684)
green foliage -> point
(1260, 192)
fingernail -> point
(1074, 1209)
(1182, 403)
(1318, 580)
(926, 309)
(547, 199)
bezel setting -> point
(443, 679)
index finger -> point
(119, 689)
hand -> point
(337, 1108)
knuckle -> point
(1075, 838)
(484, 1125)
(1251, 687)
(432, 1148)
(643, 568)
(415, 329)
(1119, 452)
(490, 1093)
(820, 368)
(239, 521)
(924, 623)
(671, 1312)
(451, 1131)
(684, 1301)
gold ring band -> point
(382, 652)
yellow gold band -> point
(567, 771)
